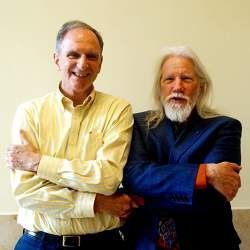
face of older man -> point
(180, 88)
(79, 62)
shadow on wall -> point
(10, 231)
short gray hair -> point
(72, 25)
(205, 82)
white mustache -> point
(176, 95)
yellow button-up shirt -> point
(84, 150)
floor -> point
(10, 231)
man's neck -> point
(76, 97)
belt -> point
(78, 240)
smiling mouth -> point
(80, 75)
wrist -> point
(98, 204)
(36, 162)
(210, 172)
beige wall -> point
(133, 31)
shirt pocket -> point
(90, 142)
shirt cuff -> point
(84, 206)
(47, 168)
(201, 181)
(84, 202)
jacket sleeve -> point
(172, 186)
(226, 144)
(160, 184)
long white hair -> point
(204, 98)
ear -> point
(100, 66)
(56, 60)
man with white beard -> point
(184, 160)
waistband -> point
(78, 240)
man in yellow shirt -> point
(74, 143)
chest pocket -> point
(90, 142)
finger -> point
(10, 163)
(24, 138)
(134, 204)
(125, 215)
(231, 196)
(236, 180)
(11, 148)
(234, 192)
(236, 168)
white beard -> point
(178, 112)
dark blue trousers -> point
(43, 242)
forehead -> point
(178, 64)
(80, 38)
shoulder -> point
(151, 119)
(110, 100)
(224, 121)
(141, 116)
(111, 107)
(140, 123)
(34, 105)
(221, 125)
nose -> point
(177, 85)
(82, 62)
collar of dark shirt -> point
(178, 127)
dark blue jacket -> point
(163, 169)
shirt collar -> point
(66, 104)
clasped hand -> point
(23, 157)
(225, 178)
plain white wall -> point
(133, 32)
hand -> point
(225, 178)
(24, 156)
(118, 204)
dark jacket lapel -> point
(177, 146)
(190, 135)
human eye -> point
(187, 78)
(92, 56)
(72, 55)
(168, 79)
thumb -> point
(236, 168)
(24, 138)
